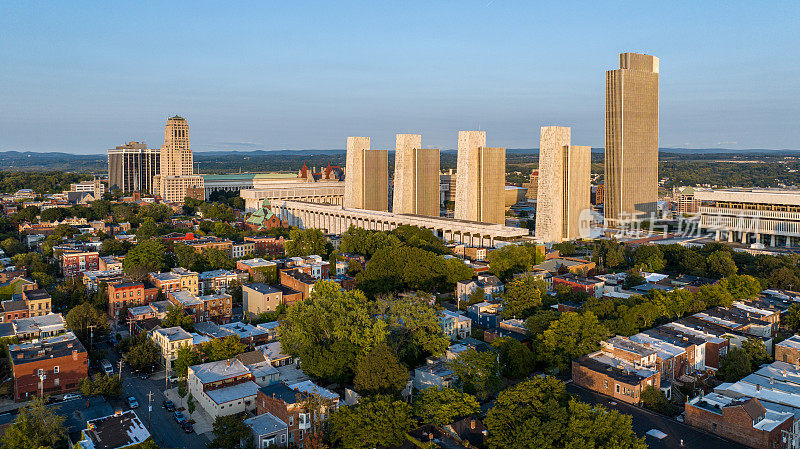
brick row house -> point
(73, 263)
(288, 404)
(129, 294)
(50, 366)
(214, 307)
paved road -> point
(645, 420)
(165, 431)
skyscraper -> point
(131, 167)
(631, 162)
(177, 179)
(416, 177)
(563, 191)
(480, 179)
(366, 179)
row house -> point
(616, 377)
(110, 263)
(455, 325)
(52, 365)
(218, 281)
(312, 265)
(298, 280)
(744, 420)
(736, 332)
(11, 273)
(788, 350)
(250, 265)
(73, 263)
(288, 402)
(93, 279)
(590, 285)
(129, 294)
(224, 387)
(244, 249)
(258, 297)
(13, 309)
(490, 284)
(485, 314)
(176, 280)
(739, 320)
(267, 246)
(214, 307)
(38, 302)
(169, 340)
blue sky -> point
(85, 76)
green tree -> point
(12, 247)
(791, 318)
(266, 275)
(147, 255)
(440, 406)
(478, 372)
(307, 242)
(529, 415)
(229, 431)
(176, 316)
(522, 297)
(516, 359)
(415, 331)
(649, 257)
(565, 248)
(81, 319)
(330, 331)
(571, 336)
(142, 355)
(655, 399)
(374, 422)
(595, 426)
(511, 259)
(36, 426)
(540, 321)
(720, 264)
(379, 372)
(147, 229)
(735, 365)
(101, 385)
(218, 259)
(757, 351)
(222, 348)
(185, 357)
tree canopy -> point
(378, 421)
(36, 426)
(440, 406)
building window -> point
(55, 369)
(617, 388)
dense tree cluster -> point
(209, 351)
(44, 182)
(511, 259)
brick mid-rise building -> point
(51, 366)
(744, 420)
(73, 263)
(129, 294)
(788, 350)
(267, 246)
(287, 403)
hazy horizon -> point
(82, 78)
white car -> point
(70, 396)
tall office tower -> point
(177, 179)
(416, 177)
(564, 188)
(480, 179)
(366, 179)
(631, 162)
(131, 167)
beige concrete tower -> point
(366, 181)
(563, 192)
(177, 164)
(416, 177)
(176, 154)
(631, 153)
(480, 179)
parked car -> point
(70, 396)
(107, 367)
(179, 418)
(132, 402)
(188, 427)
(169, 405)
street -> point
(163, 428)
(645, 420)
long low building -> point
(336, 219)
(316, 192)
(767, 216)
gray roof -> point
(265, 424)
(234, 392)
(174, 333)
(262, 288)
(220, 370)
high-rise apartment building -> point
(366, 180)
(131, 167)
(480, 179)
(631, 162)
(563, 192)
(177, 178)
(416, 177)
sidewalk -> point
(202, 421)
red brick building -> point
(743, 420)
(129, 294)
(287, 404)
(298, 280)
(73, 264)
(13, 310)
(620, 383)
(268, 246)
(52, 366)
(591, 285)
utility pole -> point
(91, 335)
(42, 377)
(149, 407)
(120, 370)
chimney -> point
(771, 380)
(472, 423)
(758, 387)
